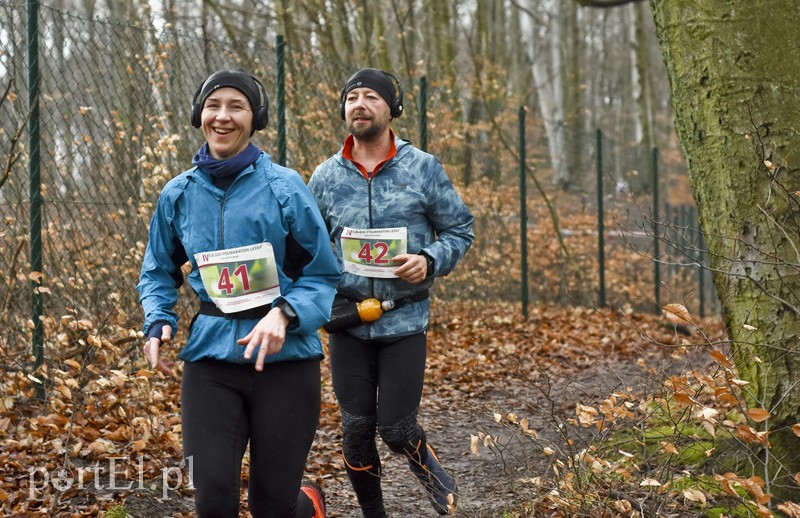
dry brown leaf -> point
(726, 486)
(790, 509)
(64, 391)
(707, 414)
(708, 426)
(758, 415)
(98, 447)
(694, 495)
(670, 448)
(720, 358)
(677, 313)
(587, 415)
(683, 399)
(474, 445)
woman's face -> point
(226, 121)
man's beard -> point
(369, 132)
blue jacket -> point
(411, 190)
(266, 203)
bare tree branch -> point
(528, 12)
(605, 3)
(13, 156)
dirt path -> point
(479, 370)
(498, 480)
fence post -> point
(656, 250)
(423, 113)
(280, 94)
(523, 212)
(601, 254)
(35, 179)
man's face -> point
(227, 120)
(366, 113)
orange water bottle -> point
(370, 310)
(347, 313)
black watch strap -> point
(287, 310)
(428, 258)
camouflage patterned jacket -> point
(411, 190)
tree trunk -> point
(543, 39)
(735, 81)
(573, 96)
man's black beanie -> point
(375, 79)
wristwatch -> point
(428, 258)
(287, 311)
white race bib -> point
(240, 278)
(369, 252)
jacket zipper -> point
(222, 220)
(369, 208)
(222, 203)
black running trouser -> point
(378, 384)
(223, 407)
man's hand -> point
(152, 351)
(413, 268)
(268, 337)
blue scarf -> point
(227, 167)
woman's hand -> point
(268, 337)
(152, 351)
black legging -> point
(379, 386)
(225, 405)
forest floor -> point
(500, 405)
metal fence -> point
(78, 179)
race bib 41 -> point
(240, 278)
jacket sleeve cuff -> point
(154, 331)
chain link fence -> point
(114, 127)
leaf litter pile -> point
(507, 403)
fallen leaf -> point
(669, 448)
(694, 495)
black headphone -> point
(395, 107)
(260, 112)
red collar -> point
(347, 152)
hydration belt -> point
(210, 309)
(399, 303)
